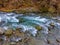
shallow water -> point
(28, 22)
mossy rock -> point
(8, 32)
(52, 24)
(51, 9)
(38, 28)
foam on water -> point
(13, 21)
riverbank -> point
(26, 6)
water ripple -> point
(27, 23)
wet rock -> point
(16, 39)
(1, 39)
(18, 33)
(37, 42)
(6, 43)
(51, 9)
(8, 32)
(56, 18)
(51, 41)
(58, 43)
(13, 43)
(58, 40)
(2, 30)
(38, 28)
(52, 24)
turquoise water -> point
(28, 22)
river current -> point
(32, 23)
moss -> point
(38, 28)
(8, 32)
(44, 9)
(51, 9)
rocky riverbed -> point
(29, 29)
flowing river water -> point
(28, 22)
(32, 23)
